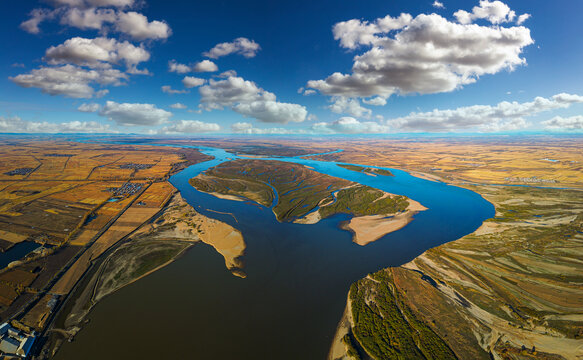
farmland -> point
(76, 201)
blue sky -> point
(450, 66)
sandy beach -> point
(367, 229)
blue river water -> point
(297, 280)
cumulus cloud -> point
(205, 66)
(561, 123)
(189, 127)
(88, 107)
(37, 16)
(95, 15)
(134, 114)
(169, 90)
(202, 66)
(138, 27)
(350, 106)
(191, 81)
(17, 125)
(522, 18)
(70, 80)
(375, 101)
(438, 5)
(350, 125)
(422, 54)
(243, 46)
(176, 67)
(495, 12)
(178, 106)
(246, 98)
(503, 116)
(90, 18)
(99, 52)
(247, 128)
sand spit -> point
(227, 197)
(190, 225)
(367, 229)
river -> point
(297, 277)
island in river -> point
(299, 194)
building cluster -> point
(20, 171)
(136, 166)
(530, 180)
(126, 189)
(14, 343)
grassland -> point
(511, 290)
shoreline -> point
(369, 228)
(338, 348)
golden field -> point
(77, 200)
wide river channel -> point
(297, 280)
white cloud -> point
(503, 116)
(205, 66)
(138, 27)
(243, 46)
(88, 107)
(176, 67)
(425, 54)
(69, 80)
(226, 74)
(438, 5)
(90, 18)
(247, 128)
(561, 123)
(87, 15)
(178, 106)
(189, 127)
(350, 106)
(37, 16)
(522, 18)
(495, 12)
(17, 125)
(246, 98)
(134, 114)
(98, 52)
(350, 125)
(272, 111)
(191, 81)
(375, 101)
(168, 90)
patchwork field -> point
(76, 200)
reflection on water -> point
(297, 277)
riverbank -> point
(510, 289)
(150, 248)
